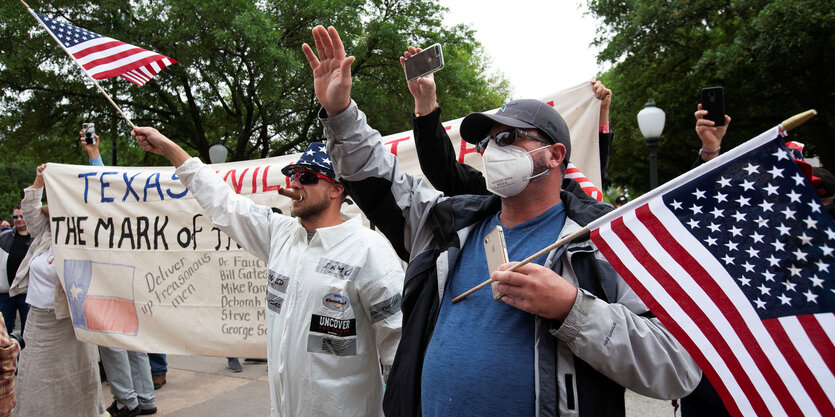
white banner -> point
(145, 270)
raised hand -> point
(331, 70)
(152, 141)
(38, 183)
(422, 89)
(605, 96)
(91, 148)
(710, 134)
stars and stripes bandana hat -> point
(315, 159)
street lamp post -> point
(651, 123)
(217, 153)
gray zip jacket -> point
(608, 341)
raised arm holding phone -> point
(710, 134)
(436, 154)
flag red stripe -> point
(693, 310)
(111, 315)
(806, 377)
(132, 79)
(139, 75)
(132, 66)
(725, 305)
(682, 336)
(117, 56)
(818, 336)
(97, 48)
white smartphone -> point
(496, 252)
(424, 62)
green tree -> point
(241, 78)
(772, 57)
(16, 176)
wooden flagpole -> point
(526, 261)
(79, 66)
(797, 120)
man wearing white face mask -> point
(569, 336)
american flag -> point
(574, 173)
(103, 57)
(736, 259)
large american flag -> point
(103, 57)
(736, 259)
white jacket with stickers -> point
(333, 305)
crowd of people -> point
(567, 338)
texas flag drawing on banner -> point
(97, 304)
(736, 258)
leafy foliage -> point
(241, 78)
(771, 56)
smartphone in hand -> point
(496, 252)
(424, 62)
(89, 130)
(713, 101)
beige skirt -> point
(57, 374)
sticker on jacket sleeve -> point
(333, 326)
(278, 282)
(337, 269)
(385, 309)
(274, 302)
(336, 302)
(260, 211)
(338, 347)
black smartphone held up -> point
(89, 130)
(713, 100)
(424, 62)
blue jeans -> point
(159, 366)
(10, 306)
(129, 376)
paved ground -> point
(202, 386)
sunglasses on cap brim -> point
(505, 138)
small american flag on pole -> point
(736, 259)
(574, 173)
(103, 57)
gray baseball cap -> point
(522, 114)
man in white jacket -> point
(333, 298)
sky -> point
(541, 46)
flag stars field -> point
(776, 281)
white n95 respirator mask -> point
(508, 169)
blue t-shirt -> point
(480, 360)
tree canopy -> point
(772, 57)
(241, 78)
